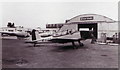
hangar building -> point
(99, 24)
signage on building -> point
(86, 18)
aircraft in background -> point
(11, 30)
(17, 34)
(64, 35)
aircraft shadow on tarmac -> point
(38, 45)
(67, 48)
(59, 48)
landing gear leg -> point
(81, 44)
(74, 46)
(35, 44)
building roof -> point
(93, 18)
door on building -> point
(86, 34)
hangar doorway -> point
(86, 34)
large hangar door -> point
(86, 34)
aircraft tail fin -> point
(38, 37)
(35, 35)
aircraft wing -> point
(67, 38)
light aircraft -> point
(12, 30)
(19, 33)
(65, 34)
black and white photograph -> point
(59, 35)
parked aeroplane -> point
(64, 35)
(12, 30)
(17, 34)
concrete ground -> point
(17, 54)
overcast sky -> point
(38, 14)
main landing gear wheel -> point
(74, 46)
(81, 44)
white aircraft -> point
(64, 35)
(15, 32)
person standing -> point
(92, 36)
(115, 38)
